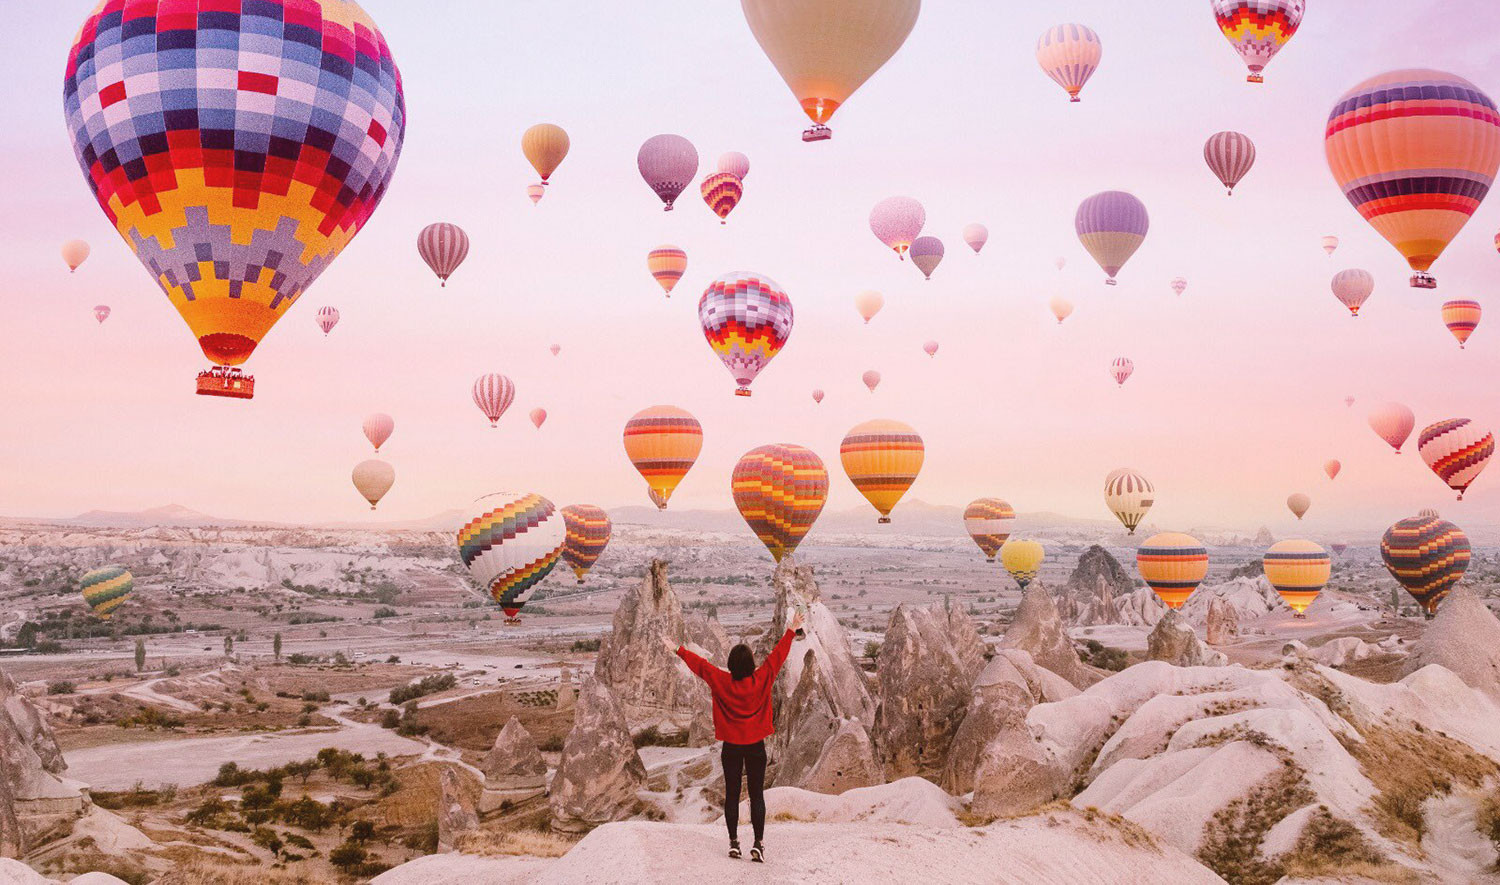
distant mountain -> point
(909, 518)
(172, 515)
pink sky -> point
(1237, 396)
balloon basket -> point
(1111, 282)
(226, 381)
(1420, 280)
(1254, 78)
(1074, 98)
(818, 132)
(742, 391)
(884, 520)
(513, 622)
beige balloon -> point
(373, 478)
(1062, 308)
(75, 252)
(1298, 504)
(869, 303)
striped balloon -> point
(926, 254)
(1457, 450)
(780, 490)
(444, 247)
(1069, 54)
(722, 192)
(1426, 555)
(882, 458)
(1428, 511)
(1179, 285)
(493, 394)
(663, 442)
(1229, 155)
(1121, 369)
(976, 235)
(1298, 503)
(1022, 560)
(1338, 548)
(1257, 29)
(1461, 317)
(512, 544)
(896, 222)
(1173, 564)
(1352, 288)
(1111, 225)
(587, 532)
(989, 521)
(1129, 496)
(668, 163)
(535, 192)
(1298, 570)
(1415, 151)
(1393, 423)
(554, 349)
(817, 395)
(1332, 467)
(328, 317)
(378, 428)
(106, 589)
(667, 264)
(747, 319)
(1330, 244)
(101, 312)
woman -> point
(742, 720)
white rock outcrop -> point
(1464, 638)
(601, 773)
(1173, 640)
(1037, 629)
(927, 665)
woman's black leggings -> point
(750, 759)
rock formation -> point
(1465, 638)
(1009, 686)
(1343, 650)
(1222, 622)
(600, 772)
(1140, 608)
(1097, 581)
(1038, 630)
(456, 815)
(36, 803)
(1249, 597)
(566, 693)
(513, 769)
(927, 666)
(1173, 640)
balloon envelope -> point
(74, 253)
(1393, 423)
(493, 394)
(663, 442)
(1457, 450)
(1069, 54)
(1172, 564)
(989, 522)
(1352, 288)
(1022, 560)
(106, 589)
(1332, 467)
(101, 312)
(882, 458)
(1179, 285)
(587, 532)
(747, 319)
(1121, 370)
(1427, 555)
(779, 491)
(545, 145)
(817, 395)
(735, 163)
(1111, 225)
(1462, 318)
(1330, 244)
(668, 164)
(511, 545)
(976, 235)
(444, 247)
(372, 479)
(896, 222)
(1297, 570)
(926, 254)
(1257, 29)
(871, 379)
(327, 318)
(538, 417)
(930, 348)
(378, 428)
(1061, 308)
(1129, 496)
(869, 303)
(667, 264)
(1298, 504)
(722, 192)
(1229, 156)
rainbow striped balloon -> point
(106, 589)
(1462, 318)
(1173, 564)
(747, 319)
(989, 521)
(663, 442)
(1298, 570)
(1457, 450)
(667, 264)
(1257, 29)
(780, 490)
(1069, 54)
(882, 458)
(587, 532)
(511, 546)
(1426, 555)
(722, 192)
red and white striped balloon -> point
(1457, 450)
(444, 247)
(328, 317)
(378, 428)
(1229, 155)
(1121, 369)
(101, 312)
(493, 394)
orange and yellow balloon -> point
(780, 490)
(663, 442)
(1173, 564)
(882, 458)
(989, 521)
(1461, 316)
(1298, 570)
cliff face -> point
(36, 803)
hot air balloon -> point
(663, 442)
(1059, 261)
(871, 379)
(882, 458)
(722, 192)
(989, 521)
(106, 589)
(817, 395)
(1172, 564)
(734, 163)
(926, 254)
(667, 264)
(869, 303)
(1229, 156)
(327, 318)
(1348, 400)
(1069, 54)
(1393, 423)
(444, 247)
(1426, 555)
(101, 312)
(780, 490)
(1179, 285)
(1330, 244)
(1128, 495)
(378, 428)
(1121, 369)
(1332, 467)
(372, 479)
(897, 221)
(545, 146)
(1061, 307)
(1457, 450)
(1338, 548)
(493, 394)
(1415, 152)
(976, 235)
(555, 349)
(1298, 570)
(74, 253)
(587, 531)
(1111, 225)
(1022, 559)
(826, 49)
(1352, 287)
(538, 417)
(512, 544)
(1428, 511)
(233, 167)
(535, 192)
(668, 164)
(747, 319)
(1298, 503)
(1257, 29)
(930, 348)
(1461, 317)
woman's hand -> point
(669, 645)
(796, 622)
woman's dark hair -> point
(741, 662)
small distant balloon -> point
(1348, 400)
(1393, 423)
(1332, 467)
(1298, 503)
(926, 254)
(1179, 285)
(817, 395)
(372, 479)
(444, 247)
(101, 312)
(896, 222)
(976, 235)
(871, 379)
(1462, 318)
(378, 428)
(535, 192)
(1121, 369)
(555, 348)
(735, 163)
(74, 253)
(1129, 496)
(106, 589)
(930, 348)
(1061, 307)
(1330, 244)
(545, 146)
(538, 417)
(493, 394)
(988, 522)
(1229, 156)
(1022, 560)
(1352, 288)
(327, 318)
(722, 192)
(1069, 54)
(1059, 261)
(869, 303)
(1111, 225)
(668, 164)
(667, 265)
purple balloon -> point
(668, 163)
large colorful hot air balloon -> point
(826, 49)
(1121, 369)
(378, 428)
(106, 589)
(1462, 318)
(1329, 244)
(512, 544)
(1229, 156)
(663, 442)
(1426, 555)
(1179, 285)
(1257, 29)
(747, 319)
(668, 164)
(237, 148)
(1393, 423)
(1129, 496)
(871, 378)
(780, 490)
(1298, 570)
(896, 222)
(1173, 564)
(1457, 450)
(667, 264)
(372, 479)
(1022, 560)
(930, 348)
(989, 521)
(1332, 467)
(1069, 54)
(74, 254)
(735, 163)
(327, 318)
(444, 247)
(1111, 225)
(722, 192)
(926, 254)
(1298, 503)
(538, 417)
(1352, 287)
(587, 532)
(1415, 151)
(869, 303)
(493, 394)
(976, 235)
(101, 313)
(882, 458)
(545, 146)
(1061, 308)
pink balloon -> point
(817, 395)
(897, 221)
(931, 347)
(872, 379)
(378, 428)
(1393, 423)
(538, 416)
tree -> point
(347, 856)
(276, 646)
(140, 654)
